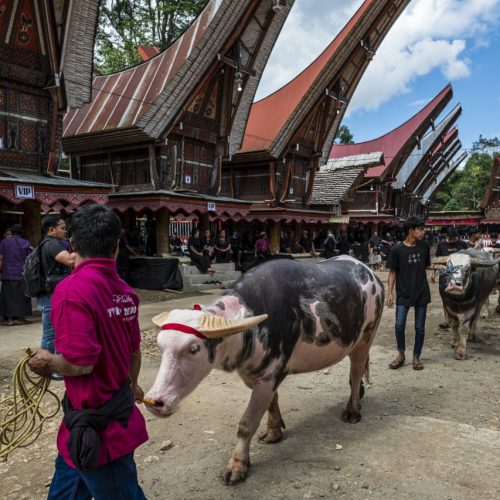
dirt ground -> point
(431, 434)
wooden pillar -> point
(32, 221)
(204, 222)
(125, 218)
(162, 231)
(275, 236)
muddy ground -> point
(431, 434)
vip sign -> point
(211, 207)
(187, 179)
(24, 192)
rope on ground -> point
(21, 415)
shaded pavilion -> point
(46, 51)
(375, 201)
(158, 131)
(491, 200)
(290, 131)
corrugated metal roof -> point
(53, 180)
(120, 99)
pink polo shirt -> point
(95, 317)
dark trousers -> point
(420, 315)
(114, 481)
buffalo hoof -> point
(235, 472)
(460, 354)
(351, 416)
(271, 436)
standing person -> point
(374, 259)
(95, 315)
(223, 250)
(235, 243)
(198, 257)
(262, 248)
(125, 249)
(14, 305)
(307, 243)
(407, 262)
(474, 238)
(329, 244)
(56, 264)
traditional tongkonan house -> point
(46, 51)
(336, 183)
(491, 200)
(158, 131)
(290, 132)
(375, 201)
(442, 160)
(424, 162)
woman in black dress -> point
(198, 259)
(223, 250)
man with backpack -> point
(55, 264)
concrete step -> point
(187, 270)
(200, 279)
(208, 286)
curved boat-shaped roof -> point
(493, 185)
(395, 143)
(269, 115)
(119, 100)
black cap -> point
(452, 231)
(473, 230)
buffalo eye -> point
(195, 348)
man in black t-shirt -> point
(407, 262)
(56, 264)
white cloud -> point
(430, 35)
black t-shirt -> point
(444, 248)
(53, 270)
(412, 287)
(221, 244)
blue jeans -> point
(43, 304)
(116, 480)
(420, 314)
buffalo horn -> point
(216, 326)
(441, 260)
(484, 263)
(160, 319)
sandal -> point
(417, 364)
(444, 326)
(398, 362)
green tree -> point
(126, 24)
(483, 143)
(344, 135)
(464, 190)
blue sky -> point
(434, 42)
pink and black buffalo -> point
(282, 317)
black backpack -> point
(34, 281)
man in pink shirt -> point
(262, 248)
(97, 336)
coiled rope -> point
(21, 415)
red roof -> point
(120, 99)
(395, 142)
(269, 115)
(147, 51)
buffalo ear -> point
(160, 319)
(214, 327)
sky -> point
(432, 43)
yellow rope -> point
(21, 417)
